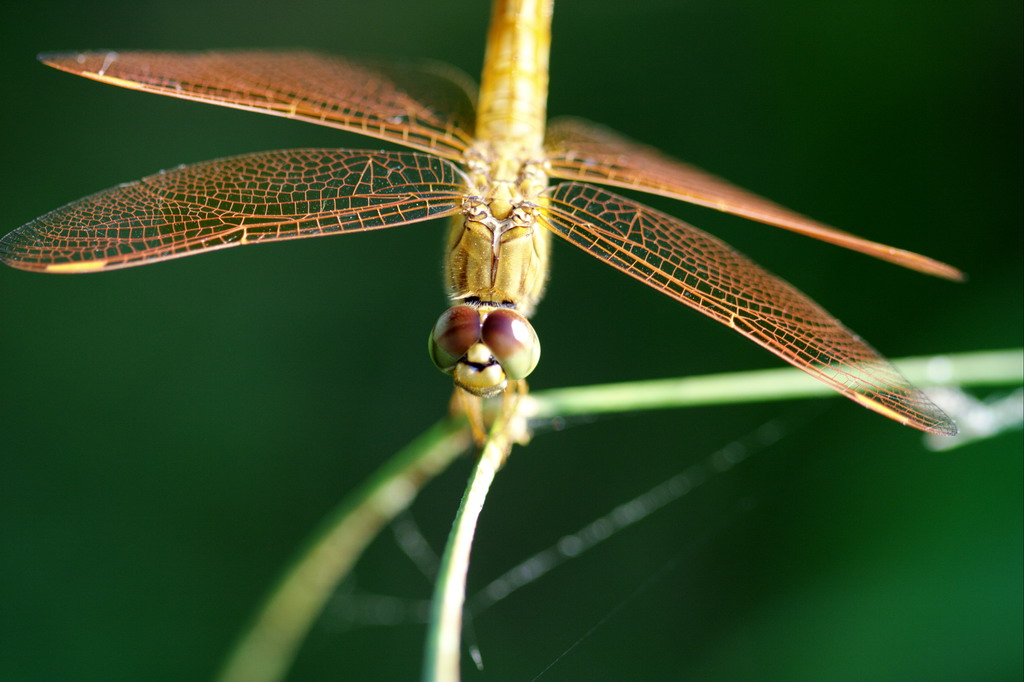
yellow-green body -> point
(497, 252)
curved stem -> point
(444, 634)
(1000, 367)
(267, 648)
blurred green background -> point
(170, 434)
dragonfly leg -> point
(471, 406)
(515, 423)
(500, 422)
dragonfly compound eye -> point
(456, 331)
(512, 341)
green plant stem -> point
(268, 647)
(983, 368)
(444, 633)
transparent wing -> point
(425, 107)
(580, 150)
(268, 196)
(703, 272)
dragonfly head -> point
(484, 348)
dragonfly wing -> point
(703, 272)
(268, 196)
(426, 107)
(580, 150)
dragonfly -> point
(488, 160)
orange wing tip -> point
(92, 65)
(942, 425)
(54, 58)
(927, 265)
(73, 62)
(74, 268)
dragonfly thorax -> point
(497, 251)
(497, 260)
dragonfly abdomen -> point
(512, 106)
